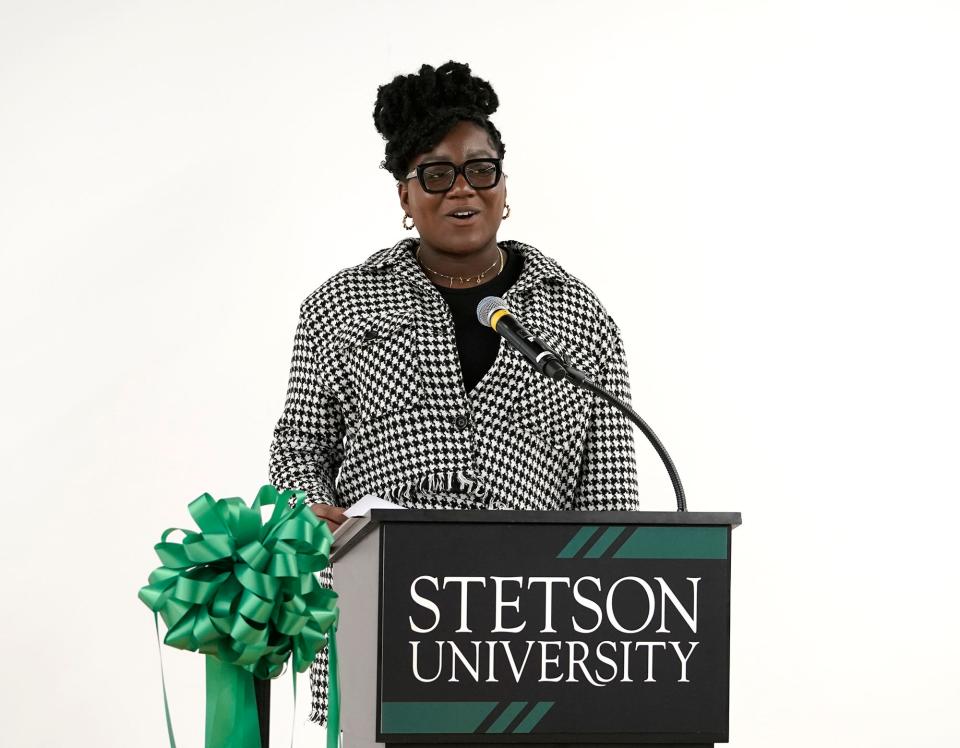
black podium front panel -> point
(539, 632)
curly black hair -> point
(415, 112)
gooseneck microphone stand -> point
(582, 380)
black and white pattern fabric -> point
(376, 402)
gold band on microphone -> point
(495, 317)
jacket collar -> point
(537, 267)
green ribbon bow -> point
(243, 592)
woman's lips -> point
(464, 221)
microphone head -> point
(487, 306)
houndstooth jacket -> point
(376, 402)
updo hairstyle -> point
(415, 112)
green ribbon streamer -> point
(243, 592)
(333, 693)
(163, 681)
(231, 706)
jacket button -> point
(461, 421)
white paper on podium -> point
(355, 517)
(368, 502)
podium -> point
(529, 627)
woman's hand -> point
(333, 515)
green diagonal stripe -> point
(507, 716)
(666, 541)
(535, 715)
(434, 716)
(604, 542)
(577, 542)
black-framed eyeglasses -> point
(439, 176)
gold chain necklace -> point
(460, 277)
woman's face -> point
(431, 211)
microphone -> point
(492, 312)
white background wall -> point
(763, 194)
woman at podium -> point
(397, 390)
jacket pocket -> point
(378, 358)
(554, 411)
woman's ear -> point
(403, 194)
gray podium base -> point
(357, 644)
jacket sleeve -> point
(306, 453)
(608, 465)
(307, 446)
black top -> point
(478, 344)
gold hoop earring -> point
(507, 214)
(412, 224)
